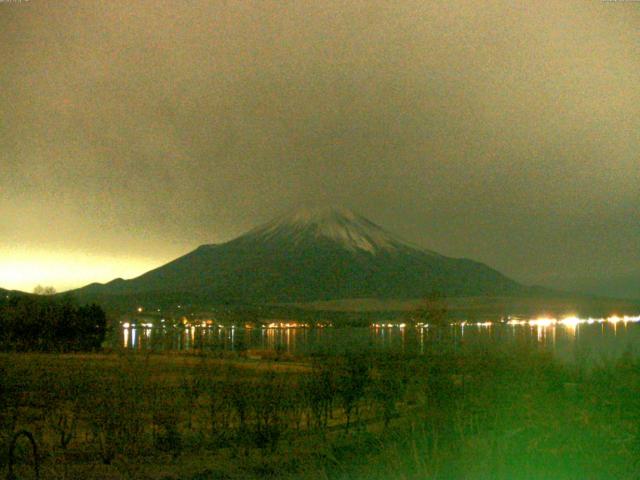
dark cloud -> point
(505, 133)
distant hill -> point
(619, 286)
(308, 255)
(546, 303)
(8, 293)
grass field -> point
(506, 414)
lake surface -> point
(568, 338)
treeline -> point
(44, 323)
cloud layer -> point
(504, 132)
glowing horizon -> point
(23, 269)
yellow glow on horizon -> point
(23, 269)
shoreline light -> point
(569, 321)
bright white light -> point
(571, 321)
(543, 322)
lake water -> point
(568, 338)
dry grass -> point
(476, 415)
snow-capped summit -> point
(340, 225)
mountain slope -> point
(6, 294)
(310, 254)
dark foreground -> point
(513, 414)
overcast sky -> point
(133, 131)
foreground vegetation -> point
(464, 414)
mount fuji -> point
(310, 254)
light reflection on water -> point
(568, 338)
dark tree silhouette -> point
(49, 323)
